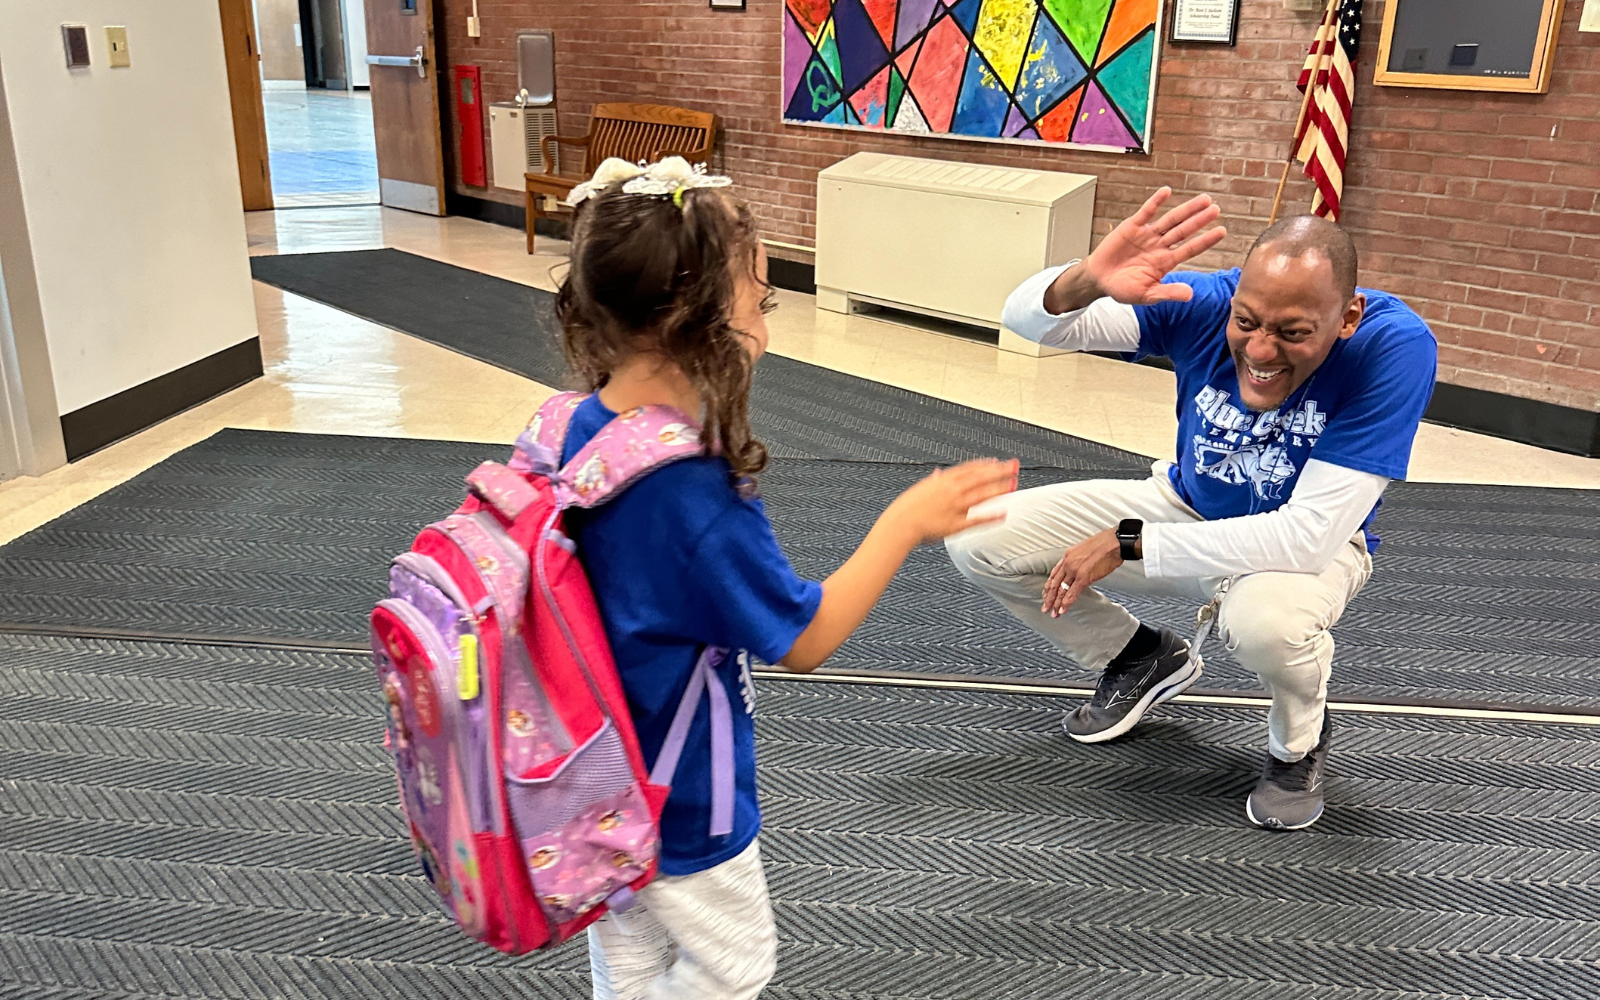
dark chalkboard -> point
(1504, 40)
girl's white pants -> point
(706, 936)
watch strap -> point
(1128, 534)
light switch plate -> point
(117, 42)
(1589, 20)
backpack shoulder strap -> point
(635, 443)
(704, 679)
(538, 449)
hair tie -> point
(677, 196)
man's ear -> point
(1352, 316)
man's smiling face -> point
(1287, 314)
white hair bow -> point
(670, 176)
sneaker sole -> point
(1176, 685)
(1278, 826)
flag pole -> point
(1328, 18)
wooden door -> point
(244, 92)
(405, 104)
(331, 45)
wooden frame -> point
(635, 132)
(243, 56)
(1233, 27)
(1536, 82)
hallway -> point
(321, 146)
(330, 372)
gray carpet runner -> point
(800, 410)
(186, 821)
(216, 819)
(1482, 595)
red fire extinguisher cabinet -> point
(469, 125)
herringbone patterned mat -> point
(799, 410)
(1482, 594)
(187, 821)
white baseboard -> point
(833, 300)
(1021, 345)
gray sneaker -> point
(1289, 796)
(1125, 693)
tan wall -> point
(139, 257)
(280, 56)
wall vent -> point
(515, 135)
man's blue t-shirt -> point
(679, 561)
(1359, 409)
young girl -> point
(665, 303)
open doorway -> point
(316, 102)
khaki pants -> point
(1276, 624)
(706, 936)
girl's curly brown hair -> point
(648, 277)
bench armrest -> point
(566, 140)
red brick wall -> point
(1466, 204)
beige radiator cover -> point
(943, 238)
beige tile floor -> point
(330, 372)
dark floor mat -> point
(799, 410)
(1482, 595)
(195, 822)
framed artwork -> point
(1215, 21)
(727, 4)
(1067, 72)
(1501, 45)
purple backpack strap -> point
(538, 448)
(704, 679)
(635, 443)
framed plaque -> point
(1505, 45)
(1214, 21)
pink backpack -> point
(520, 775)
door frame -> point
(242, 51)
(31, 442)
(310, 50)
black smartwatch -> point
(1128, 534)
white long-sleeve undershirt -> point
(1323, 513)
(1326, 508)
(1104, 325)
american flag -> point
(1330, 69)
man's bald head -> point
(1302, 235)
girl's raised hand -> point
(941, 504)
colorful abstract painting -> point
(1080, 72)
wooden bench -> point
(633, 132)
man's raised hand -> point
(1130, 262)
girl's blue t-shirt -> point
(680, 561)
(1360, 409)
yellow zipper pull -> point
(467, 672)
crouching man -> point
(1299, 396)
